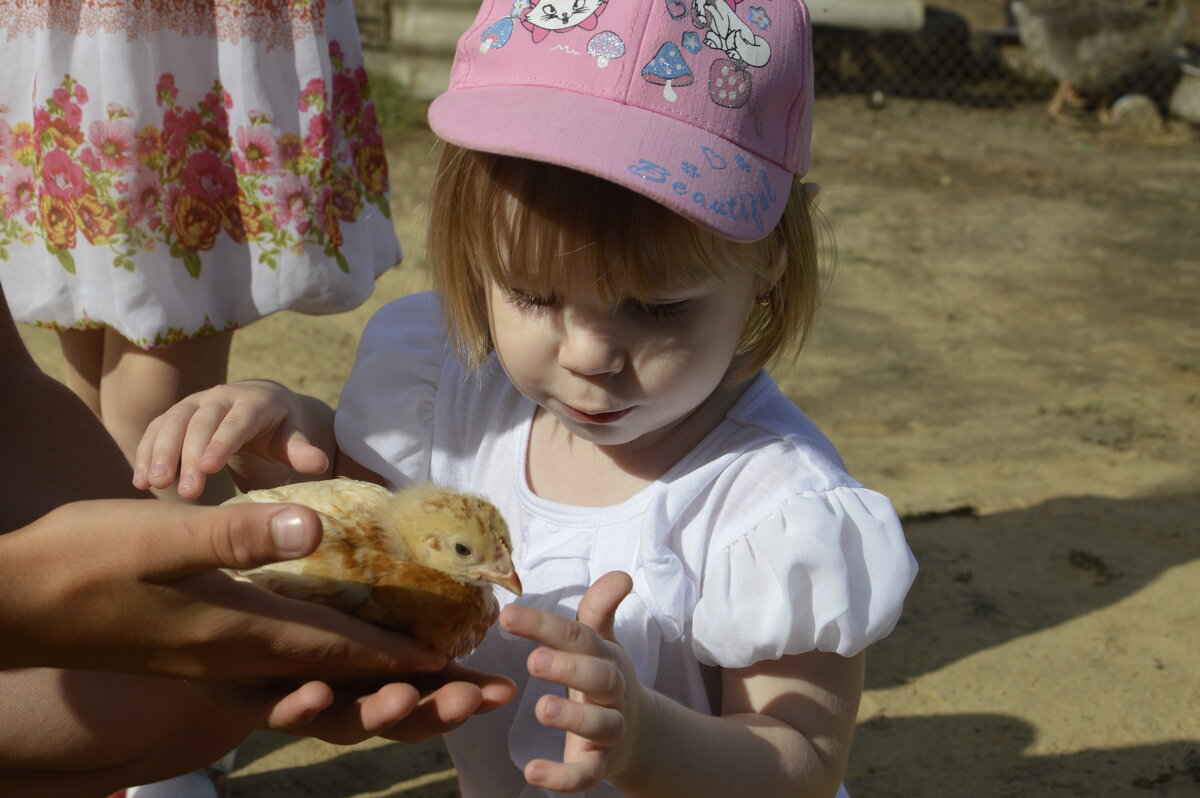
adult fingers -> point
(441, 711)
(352, 719)
(268, 706)
(314, 709)
(175, 540)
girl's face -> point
(625, 372)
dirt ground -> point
(1010, 350)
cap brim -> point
(700, 176)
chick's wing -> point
(352, 556)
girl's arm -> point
(784, 730)
(266, 435)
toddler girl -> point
(619, 248)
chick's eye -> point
(462, 550)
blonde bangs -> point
(544, 228)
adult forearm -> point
(57, 451)
(752, 755)
(97, 732)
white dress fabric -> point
(176, 167)
(756, 545)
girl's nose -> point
(590, 346)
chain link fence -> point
(962, 51)
(970, 52)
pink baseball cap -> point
(702, 105)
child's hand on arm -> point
(784, 728)
(605, 700)
(280, 430)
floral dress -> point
(170, 168)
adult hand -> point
(131, 586)
(349, 712)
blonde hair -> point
(541, 226)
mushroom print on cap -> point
(705, 106)
(668, 69)
(497, 34)
(605, 46)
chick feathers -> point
(420, 560)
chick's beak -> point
(502, 574)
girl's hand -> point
(605, 706)
(201, 433)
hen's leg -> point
(1063, 95)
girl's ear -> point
(769, 278)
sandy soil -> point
(1010, 350)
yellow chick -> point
(420, 561)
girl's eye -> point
(525, 300)
(662, 311)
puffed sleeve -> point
(384, 418)
(825, 571)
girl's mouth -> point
(596, 418)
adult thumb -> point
(191, 539)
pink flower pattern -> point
(181, 184)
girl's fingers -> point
(166, 444)
(599, 725)
(598, 608)
(551, 630)
(598, 678)
(300, 454)
(239, 425)
(141, 458)
(582, 773)
(193, 469)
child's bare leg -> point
(88, 733)
(83, 356)
(139, 385)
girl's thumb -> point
(301, 455)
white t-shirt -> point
(757, 544)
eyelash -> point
(663, 312)
(525, 301)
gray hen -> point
(1088, 45)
